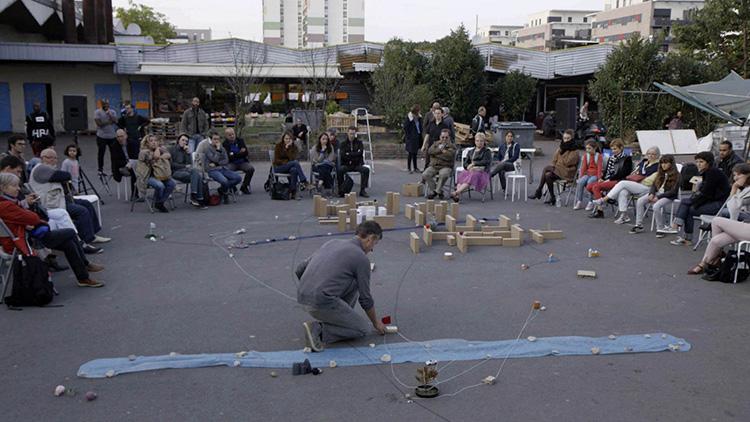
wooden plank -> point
(420, 219)
(430, 206)
(412, 189)
(586, 274)
(536, 236)
(440, 211)
(471, 222)
(316, 206)
(409, 211)
(505, 222)
(517, 232)
(483, 240)
(427, 236)
(351, 199)
(414, 242)
(551, 234)
(328, 220)
(385, 221)
(422, 206)
(453, 210)
(461, 244)
(451, 239)
(392, 204)
(342, 221)
(353, 218)
(511, 241)
(450, 223)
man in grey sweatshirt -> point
(331, 282)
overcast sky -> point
(416, 20)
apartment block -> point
(313, 23)
(555, 29)
(498, 34)
(622, 19)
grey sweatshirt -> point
(339, 269)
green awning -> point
(727, 99)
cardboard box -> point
(412, 189)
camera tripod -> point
(84, 183)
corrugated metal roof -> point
(58, 52)
(546, 65)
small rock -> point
(410, 401)
(663, 336)
(252, 336)
(332, 364)
(674, 347)
(307, 350)
(173, 354)
(236, 363)
(612, 337)
(524, 266)
(628, 349)
(555, 352)
(231, 255)
(372, 345)
(292, 237)
(329, 234)
(90, 396)
(131, 358)
(681, 343)
(241, 354)
(274, 374)
(407, 395)
(110, 373)
(647, 336)
(595, 350)
(385, 358)
(59, 390)
(489, 380)
(276, 217)
(531, 338)
(543, 308)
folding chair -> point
(6, 261)
(198, 162)
(740, 246)
(277, 176)
(460, 168)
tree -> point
(634, 66)
(245, 77)
(152, 23)
(323, 78)
(515, 91)
(400, 81)
(457, 74)
(717, 34)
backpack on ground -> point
(729, 264)
(281, 191)
(346, 185)
(31, 283)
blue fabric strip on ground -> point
(441, 350)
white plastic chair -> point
(94, 201)
(510, 181)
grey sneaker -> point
(667, 230)
(622, 219)
(636, 229)
(680, 241)
(311, 340)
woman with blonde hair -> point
(154, 169)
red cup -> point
(386, 319)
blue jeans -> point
(162, 190)
(85, 219)
(324, 170)
(686, 212)
(226, 178)
(295, 172)
(193, 177)
(581, 184)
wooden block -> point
(409, 211)
(505, 222)
(331, 210)
(462, 244)
(352, 218)
(412, 189)
(385, 221)
(453, 210)
(552, 234)
(328, 220)
(317, 211)
(516, 232)
(484, 240)
(586, 274)
(451, 239)
(351, 199)
(414, 242)
(536, 236)
(430, 206)
(392, 203)
(420, 219)
(427, 236)
(511, 241)
(422, 206)
(342, 221)
(450, 223)
(471, 222)
(440, 211)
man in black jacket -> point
(39, 129)
(133, 123)
(432, 133)
(479, 122)
(238, 158)
(352, 156)
(728, 159)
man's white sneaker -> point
(100, 239)
(577, 206)
(668, 230)
(622, 219)
(589, 206)
(680, 241)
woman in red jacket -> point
(19, 220)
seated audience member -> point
(728, 158)
(476, 168)
(637, 183)
(19, 219)
(216, 162)
(53, 188)
(591, 172)
(442, 156)
(724, 232)
(238, 158)
(507, 154)
(285, 161)
(564, 165)
(738, 204)
(183, 170)
(712, 191)
(124, 158)
(154, 170)
(323, 158)
(618, 167)
(352, 157)
(70, 164)
(662, 192)
(333, 138)
(16, 147)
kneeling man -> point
(331, 282)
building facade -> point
(313, 23)
(498, 34)
(555, 29)
(190, 35)
(649, 19)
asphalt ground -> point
(183, 294)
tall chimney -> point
(101, 26)
(69, 21)
(109, 32)
(89, 21)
